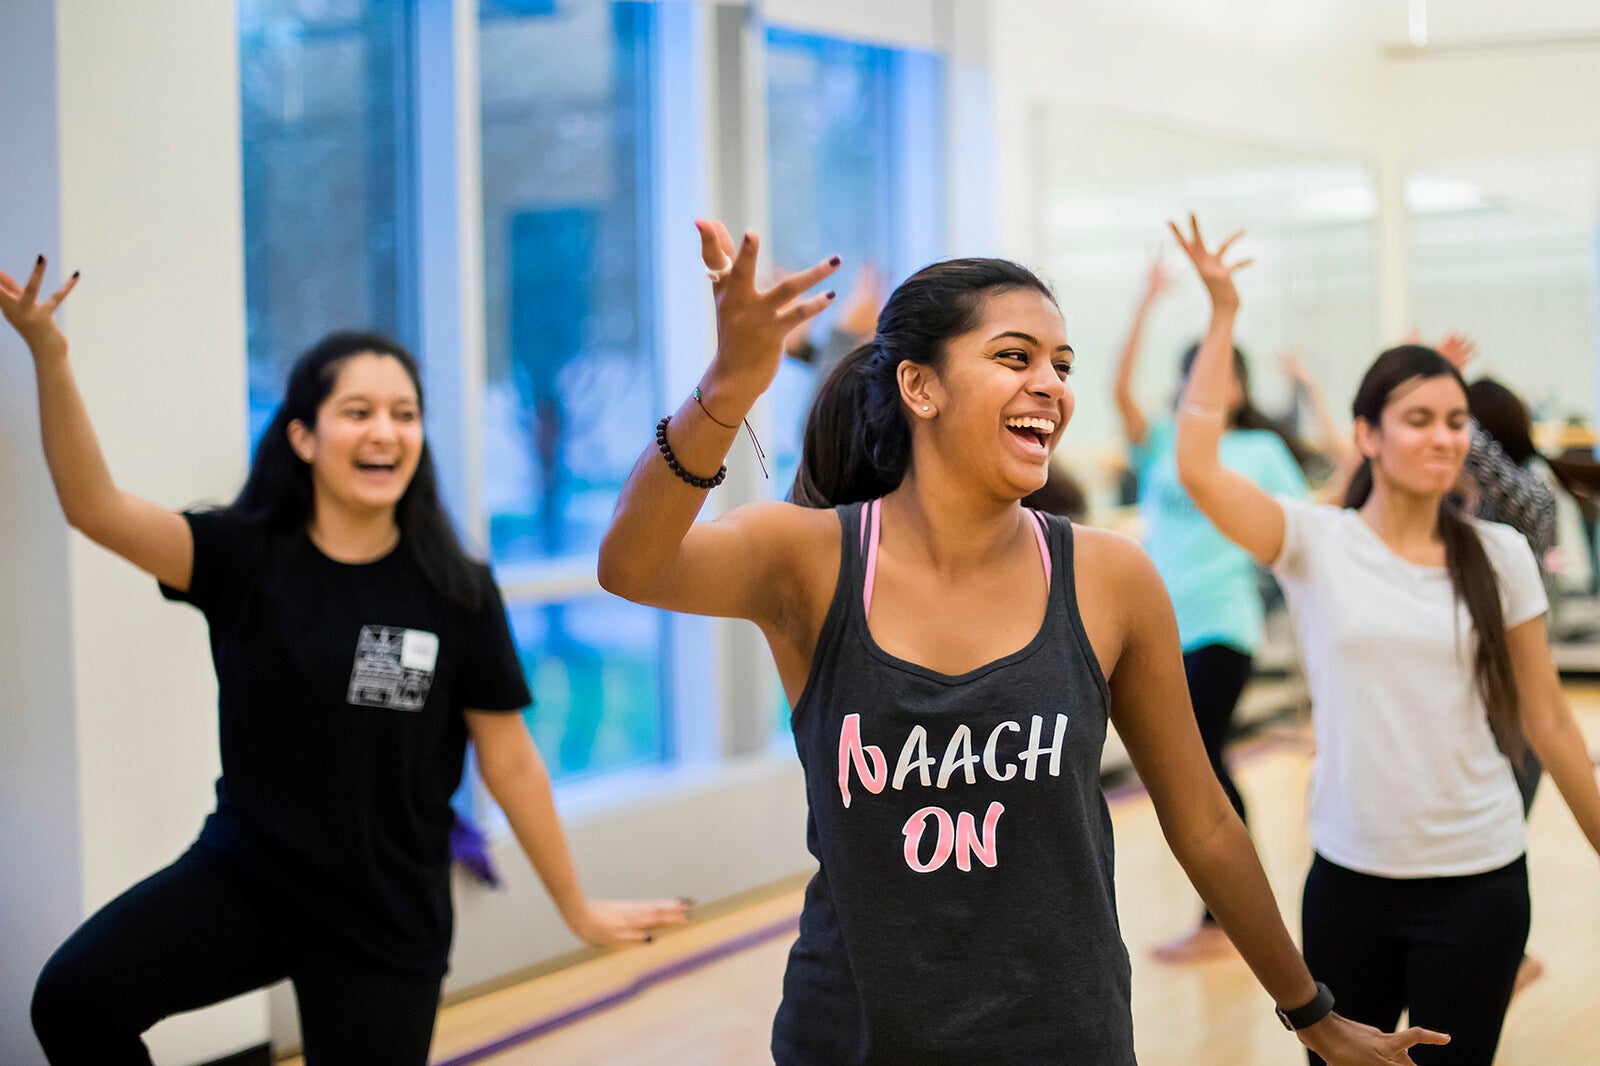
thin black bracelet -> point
(761, 456)
(672, 460)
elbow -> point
(616, 573)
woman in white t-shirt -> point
(1423, 637)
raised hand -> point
(1157, 282)
(1294, 369)
(1458, 348)
(35, 321)
(1342, 1042)
(752, 325)
(1214, 273)
(859, 314)
(626, 921)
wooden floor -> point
(1212, 1013)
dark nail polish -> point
(834, 261)
(39, 261)
(832, 294)
(648, 939)
(75, 274)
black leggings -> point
(1444, 948)
(1217, 675)
(197, 933)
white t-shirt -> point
(1408, 781)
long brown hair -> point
(1471, 574)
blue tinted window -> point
(594, 665)
(853, 158)
(571, 382)
(329, 236)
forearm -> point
(656, 507)
(523, 793)
(1332, 441)
(1203, 410)
(1561, 746)
(1223, 865)
(77, 467)
(1133, 420)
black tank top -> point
(964, 910)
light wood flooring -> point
(1210, 1014)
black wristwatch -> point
(1320, 1007)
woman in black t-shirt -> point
(357, 650)
(952, 660)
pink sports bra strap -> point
(872, 529)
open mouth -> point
(370, 467)
(1035, 432)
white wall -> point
(122, 161)
(41, 883)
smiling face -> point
(1422, 436)
(367, 440)
(1000, 400)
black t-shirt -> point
(341, 689)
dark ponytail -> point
(857, 441)
(277, 494)
(1472, 575)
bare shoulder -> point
(1113, 561)
(1118, 592)
(799, 549)
(784, 527)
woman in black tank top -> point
(952, 660)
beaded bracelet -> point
(672, 460)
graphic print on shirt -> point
(393, 668)
(957, 835)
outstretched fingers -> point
(61, 294)
(793, 285)
(1408, 1038)
(803, 311)
(31, 291)
(716, 248)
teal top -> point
(1212, 581)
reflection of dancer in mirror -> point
(357, 649)
(1423, 637)
(952, 660)
(857, 322)
(1213, 583)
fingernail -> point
(648, 939)
(39, 261)
(831, 294)
(75, 274)
(748, 236)
(686, 901)
(834, 261)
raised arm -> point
(1330, 440)
(654, 552)
(1150, 707)
(1134, 423)
(1240, 509)
(516, 777)
(152, 538)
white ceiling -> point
(1364, 27)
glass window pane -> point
(327, 177)
(829, 147)
(595, 667)
(846, 161)
(571, 368)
